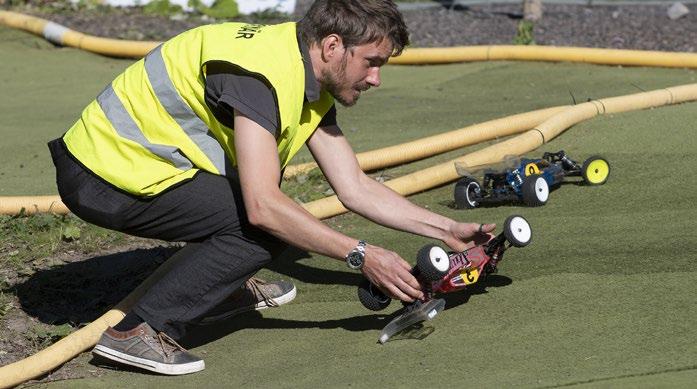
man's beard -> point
(335, 81)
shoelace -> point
(256, 286)
(168, 344)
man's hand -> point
(389, 272)
(462, 236)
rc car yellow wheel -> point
(595, 170)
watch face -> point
(355, 259)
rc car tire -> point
(595, 170)
(535, 190)
(467, 191)
(371, 297)
(517, 231)
(432, 263)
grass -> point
(25, 241)
(603, 296)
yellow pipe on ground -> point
(441, 143)
(521, 144)
(29, 205)
(64, 36)
(370, 160)
(86, 337)
(412, 56)
(442, 55)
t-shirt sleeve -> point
(329, 118)
(228, 88)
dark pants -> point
(207, 210)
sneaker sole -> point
(280, 300)
(147, 364)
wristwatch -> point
(356, 257)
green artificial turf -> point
(43, 90)
(602, 297)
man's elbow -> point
(349, 199)
(258, 214)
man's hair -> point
(357, 22)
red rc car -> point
(442, 272)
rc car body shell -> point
(465, 269)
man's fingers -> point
(410, 286)
(404, 264)
(396, 293)
(410, 281)
(405, 289)
(486, 228)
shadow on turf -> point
(201, 335)
(455, 299)
(288, 265)
(79, 292)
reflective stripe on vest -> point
(192, 125)
(127, 128)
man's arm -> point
(271, 210)
(377, 202)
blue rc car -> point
(529, 180)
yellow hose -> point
(441, 143)
(64, 36)
(86, 337)
(29, 205)
(370, 160)
(442, 55)
(412, 56)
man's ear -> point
(332, 46)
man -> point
(189, 144)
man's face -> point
(356, 70)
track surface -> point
(603, 297)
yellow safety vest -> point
(151, 128)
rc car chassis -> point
(440, 272)
(529, 180)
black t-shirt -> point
(228, 87)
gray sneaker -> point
(255, 294)
(144, 348)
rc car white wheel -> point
(432, 262)
(517, 231)
(467, 192)
(535, 190)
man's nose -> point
(373, 76)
